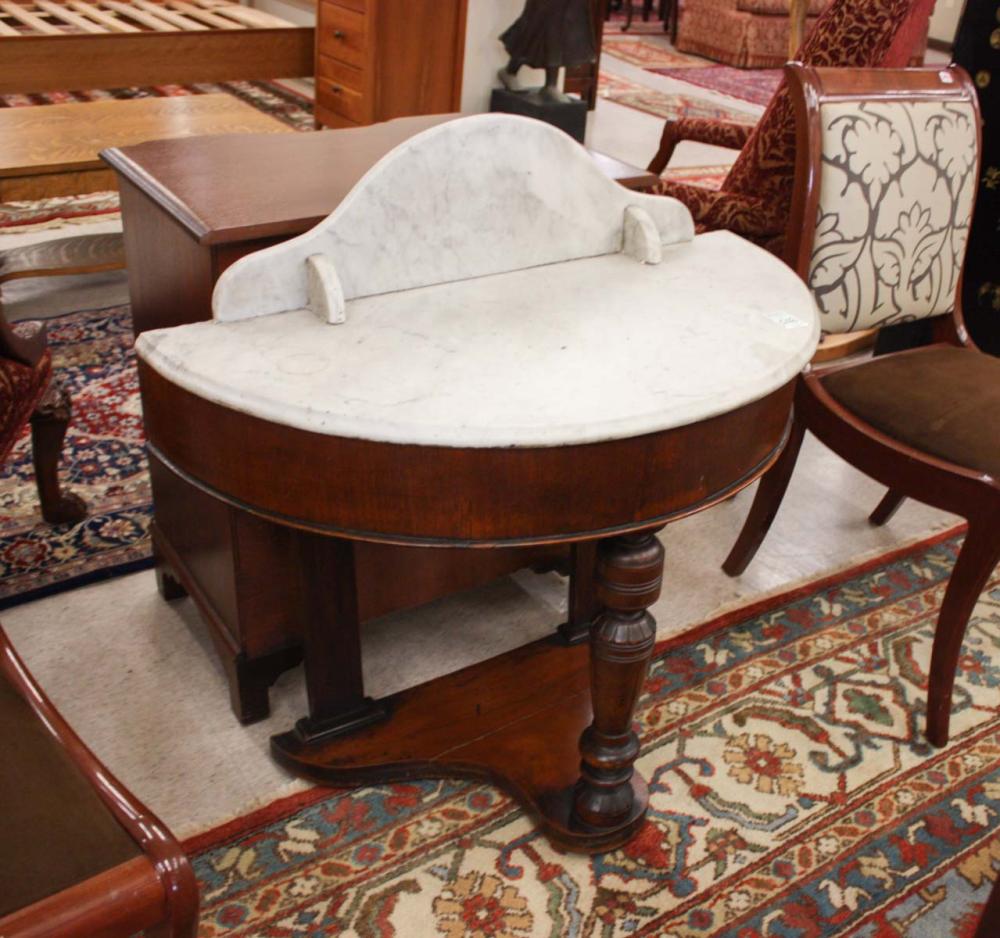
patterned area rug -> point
(103, 461)
(614, 23)
(792, 796)
(650, 52)
(38, 214)
(271, 97)
(754, 85)
(661, 104)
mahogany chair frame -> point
(156, 893)
(49, 422)
(908, 472)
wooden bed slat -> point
(29, 18)
(246, 15)
(101, 16)
(171, 16)
(63, 12)
(205, 16)
(141, 16)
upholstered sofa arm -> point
(712, 209)
(700, 130)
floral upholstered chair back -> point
(884, 191)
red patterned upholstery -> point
(755, 197)
(21, 388)
(742, 33)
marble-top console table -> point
(487, 344)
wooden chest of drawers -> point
(379, 59)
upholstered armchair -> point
(754, 198)
(743, 33)
(886, 175)
(28, 393)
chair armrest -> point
(756, 219)
(700, 130)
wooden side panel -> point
(169, 273)
(419, 57)
(198, 528)
(116, 60)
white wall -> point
(301, 14)
(484, 53)
(944, 19)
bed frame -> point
(53, 45)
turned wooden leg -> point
(48, 430)
(629, 573)
(332, 641)
(886, 508)
(976, 561)
(767, 501)
(584, 606)
(668, 143)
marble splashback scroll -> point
(483, 195)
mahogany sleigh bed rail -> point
(52, 45)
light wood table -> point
(53, 150)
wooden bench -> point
(80, 857)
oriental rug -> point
(649, 52)
(792, 796)
(663, 104)
(271, 97)
(748, 84)
(617, 18)
(104, 462)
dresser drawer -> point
(340, 73)
(342, 34)
(361, 6)
(343, 100)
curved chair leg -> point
(668, 142)
(886, 508)
(765, 505)
(979, 555)
(48, 430)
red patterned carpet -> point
(662, 104)
(748, 84)
(792, 796)
(271, 97)
(103, 461)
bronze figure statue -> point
(549, 34)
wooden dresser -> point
(379, 59)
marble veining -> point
(576, 351)
(482, 195)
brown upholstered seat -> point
(941, 400)
(56, 830)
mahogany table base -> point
(513, 720)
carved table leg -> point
(48, 430)
(608, 794)
(584, 606)
(332, 638)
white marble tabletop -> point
(578, 351)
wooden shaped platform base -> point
(513, 720)
(549, 723)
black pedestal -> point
(570, 116)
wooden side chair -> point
(28, 393)
(885, 183)
(755, 196)
(80, 857)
